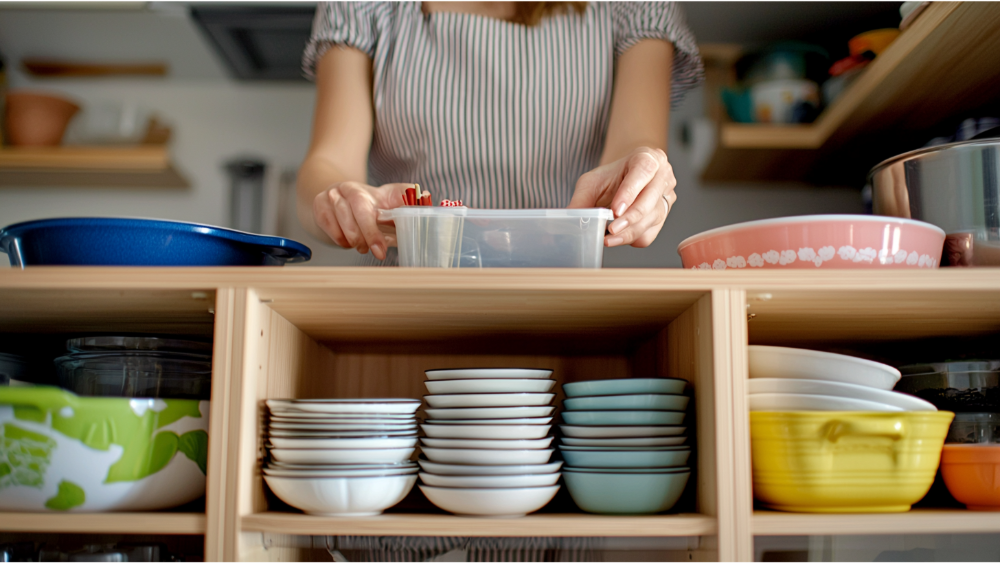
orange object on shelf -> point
(875, 41)
(972, 474)
(36, 119)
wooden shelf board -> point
(533, 525)
(104, 523)
(139, 166)
(916, 521)
(939, 68)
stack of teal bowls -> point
(623, 444)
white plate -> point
(308, 473)
(459, 469)
(490, 386)
(796, 363)
(490, 502)
(487, 431)
(621, 431)
(489, 412)
(341, 433)
(394, 455)
(342, 496)
(342, 443)
(488, 481)
(380, 418)
(489, 400)
(375, 428)
(273, 464)
(535, 421)
(345, 406)
(488, 457)
(488, 373)
(837, 389)
(540, 444)
(641, 442)
(793, 402)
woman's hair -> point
(530, 13)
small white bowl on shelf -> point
(379, 443)
(527, 421)
(481, 413)
(342, 496)
(490, 481)
(798, 363)
(488, 457)
(838, 389)
(490, 502)
(455, 443)
(328, 456)
(461, 469)
(487, 431)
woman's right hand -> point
(348, 213)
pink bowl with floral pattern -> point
(816, 241)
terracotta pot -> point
(36, 119)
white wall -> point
(215, 119)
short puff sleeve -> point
(635, 21)
(351, 24)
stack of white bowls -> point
(793, 379)
(341, 457)
(624, 445)
(487, 442)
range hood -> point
(258, 42)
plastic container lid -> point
(136, 374)
(137, 343)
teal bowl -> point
(625, 493)
(627, 386)
(597, 458)
(644, 402)
(622, 418)
(678, 469)
(623, 448)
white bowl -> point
(342, 443)
(489, 400)
(373, 428)
(459, 469)
(345, 406)
(490, 502)
(489, 481)
(621, 431)
(380, 418)
(490, 386)
(837, 389)
(793, 402)
(487, 431)
(796, 363)
(308, 473)
(274, 464)
(531, 421)
(394, 455)
(488, 457)
(488, 373)
(623, 442)
(342, 496)
(489, 413)
(453, 443)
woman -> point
(497, 104)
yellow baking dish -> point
(836, 461)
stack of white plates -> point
(487, 442)
(341, 457)
(792, 379)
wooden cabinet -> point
(345, 332)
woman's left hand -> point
(638, 188)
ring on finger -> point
(667, 203)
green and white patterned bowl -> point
(61, 452)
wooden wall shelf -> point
(916, 521)
(943, 67)
(140, 166)
(172, 523)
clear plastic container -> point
(136, 374)
(974, 428)
(458, 237)
(963, 386)
(138, 343)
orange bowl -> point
(37, 119)
(972, 474)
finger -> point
(647, 211)
(591, 188)
(345, 216)
(365, 216)
(326, 218)
(641, 168)
(647, 238)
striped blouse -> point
(496, 114)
